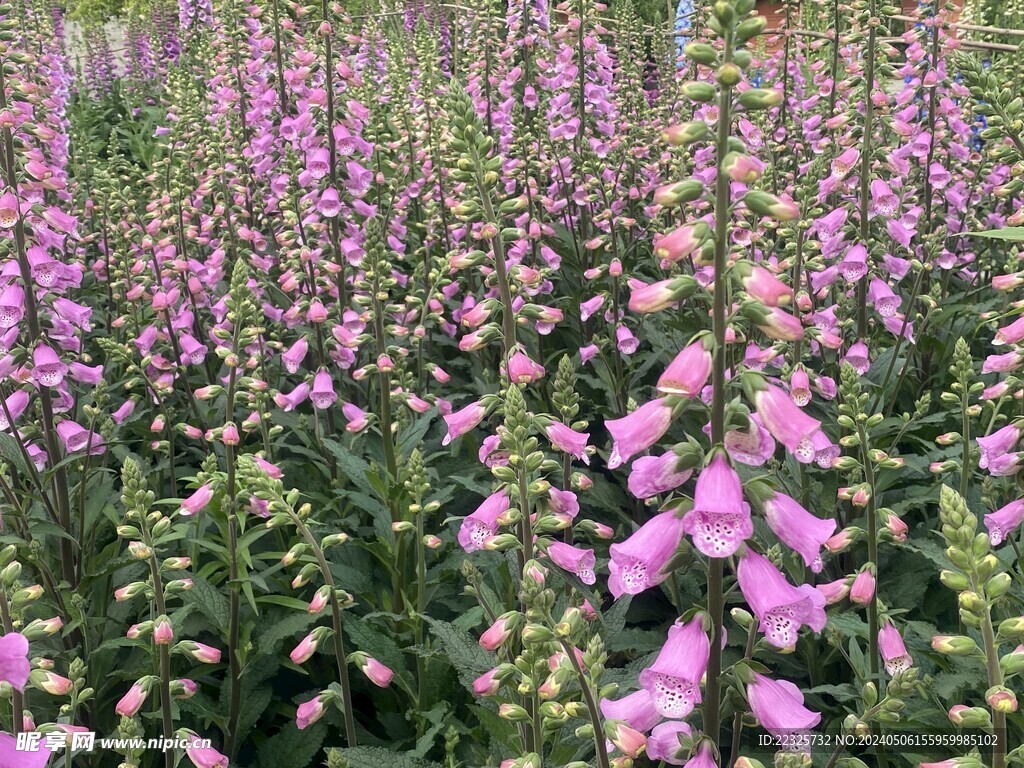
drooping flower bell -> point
(577, 561)
(637, 563)
(787, 423)
(720, 519)
(47, 368)
(1004, 521)
(673, 680)
(651, 475)
(779, 707)
(638, 431)
(482, 524)
(780, 607)
(797, 528)
(687, 374)
(663, 743)
(463, 421)
(892, 650)
(322, 394)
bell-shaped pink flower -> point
(787, 423)
(47, 368)
(1004, 521)
(197, 501)
(863, 588)
(638, 431)
(376, 672)
(322, 395)
(637, 563)
(720, 520)
(329, 203)
(12, 305)
(523, 370)
(8, 210)
(566, 439)
(487, 684)
(780, 607)
(579, 562)
(663, 743)
(636, 710)
(132, 702)
(858, 357)
(76, 437)
(464, 420)
(673, 680)
(687, 374)
(309, 712)
(798, 529)
(295, 354)
(892, 650)
(10, 755)
(482, 524)
(651, 475)
(779, 707)
(752, 446)
(203, 756)
(14, 663)
(997, 445)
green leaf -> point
(210, 602)
(377, 757)
(466, 655)
(1005, 233)
(11, 452)
(353, 466)
(290, 746)
(282, 629)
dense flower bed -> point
(487, 386)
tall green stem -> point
(716, 565)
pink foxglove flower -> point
(463, 421)
(779, 707)
(894, 653)
(638, 431)
(376, 672)
(487, 684)
(673, 680)
(357, 418)
(863, 588)
(309, 712)
(720, 520)
(575, 560)
(996, 446)
(202, 756)
(132, 702)
(568, 440)
(322, 395)
(1004, 521)
(663, 743)
(787, 423)
(14, 663)
(197, 501)
(637, 710)
(798, 529)
(523, 370)
(780, 607)
(752, 446)
(651, 475)
(482, 524)
(47, 368)
(637, 563)
(687, 374)
(500, 631)
(11, 756)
